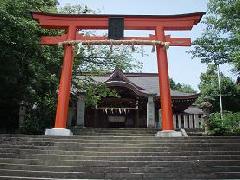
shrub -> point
(229, 125)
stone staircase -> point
(118, 154)
(195, 132)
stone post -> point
(21, 115)
(206, 107)
(80, 109)
(150, 113)
(196, 120)
(160, 118)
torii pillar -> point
(164, 86)
(72, 23)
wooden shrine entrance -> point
(73, 23)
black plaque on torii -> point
(115, 27)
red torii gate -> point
(73, 23)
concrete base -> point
(168, 133)
(58, 132)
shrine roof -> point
(147, 83)
(193, 110)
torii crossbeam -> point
(73, 23)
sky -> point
(182, 68)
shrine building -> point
(136, 106)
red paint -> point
(165, 96)
(65, 83)
(131, 22)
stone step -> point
(127, 149)
(117, 134)
(51, 174)
(114, 129)
(118, 176)
(140, 144)
(97, 169)
(150, 133)
(9, 152)
(123, 158)
(100, 170)
(94, 136)
(167, 172)
(50, 142)
(117, 144)
(131, 158)
(120, 163)
(131, 154)
(227, 168)
(228, 175)
(80, 172)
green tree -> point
(181, 87)
(210, 90)
(220, 42)
(30, 73)
(23, 72)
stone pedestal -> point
(150, 113)
(168, 133)
(58, 132)
(80, 110)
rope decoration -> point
(112, 42)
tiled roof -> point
(193, 110)
(147, 81)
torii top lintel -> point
(131, 22)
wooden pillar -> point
(185, 118)
(65, 82)
(137, 114)
(179, 121)
(166, 102)
(150, 113)
(174, 121)
(191, 123)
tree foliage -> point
(30, 73)
(229, 125)
(220, 42)
(25, 71)
(181, 87)
(209, 88)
